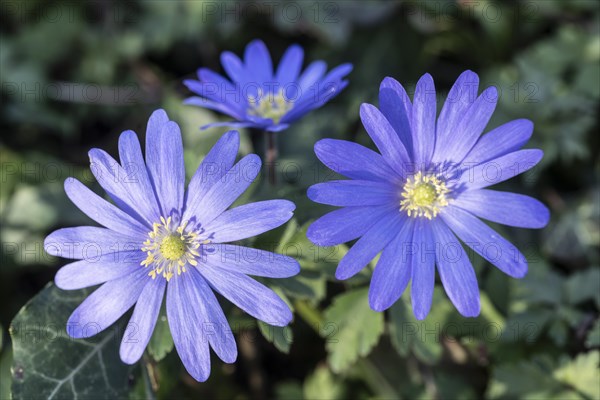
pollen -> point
(270, 105)
(170, 249)
(424, 196)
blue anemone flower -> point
(425, 190)
(258, 97)
(160, 238)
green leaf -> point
(47, 363)
(281, 336)
(5, 375)
(584, 286)
(161, 342)
(358, 328)
(593, 337)
(322, 384)
(582, 374)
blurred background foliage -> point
(76, 74)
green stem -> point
(271, 154)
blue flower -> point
(258, 97)
(425, 190)
(159, 237)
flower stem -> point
(271, 154)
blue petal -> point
(345, 224)
(459, 99)
(250, 220)
(249, 261)
(500, 169)
(423, 121)
(258, 62)
(353, 193)
(500, 141)
(456, 271)
(138, 179)
(106, 305)
(101, 210)
(256, 299)
(395, 105)
(385, 138)
(311, 75)
(367, 247)
(505, 208)
(277, 128)
(213, 105)
(485, 241)
(353, 160)
(470, 128)
(141, 325)
(190, 342)
(423, 272)
(393, 270)
(164, 157)
(232, 124)
(217, 162)
(97, 270)
(290, 65)
(233, 66)
(222, 194)
(88, 242)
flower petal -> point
(106, 305)
(88, 242)
(500, 141)
(256, 299)
(353, 193)
(353, 160)
(311, 75)
(141, 325)
(290, 65)
(423, 120)
(456, 271)
(485, 241)
(249, 261)
(393, 270)
(423, 272)
(164, 157)
(505, 208)
(233, 66)
(395, 105)
(215, 106)
(344, 224)
(101, 210)
(258, 62)
(94, 271)
(250, 220)
(385, 137)
(367, 247)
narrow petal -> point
(344, 224)
(250, 220)
(290, 65)
(485, 241)
(353, 193)
(369, 245)
(256, 299)
(106, 305)
(258, 62)
(141, 326)
(94, 271)
(215, 106)
(88, 242)
(393, 270)
(395, 105)
(222, 194)
(423, 120)
(461, 96)
(190, 342)
(505, 208)
(500, 169)
(164, 157)
(101, 210)
(311, 75)
(500, 141)
(423, 271)
(233, 66)
(456, 271)
(386, 139)
(138, 179)
(249, 261)
(217, 162)
(353, 160)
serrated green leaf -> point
(593, 337)
(282, 337)
(584, 286)
(322, 384)
(47, 363)
(582, 374)
(358, 328)
(161, 342)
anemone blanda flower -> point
(258, 97)
(159, 237)
(426, 190)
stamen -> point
(424, 196)
(270, 105)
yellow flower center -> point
(271, 105)
(170, 249)
(424, 196)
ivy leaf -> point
(47, 363)
(161, 342)
(358, 328)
